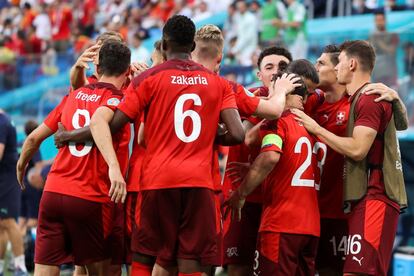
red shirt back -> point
(182, 102)
(290, 203)
(79, 169)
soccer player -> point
(370, 242)
(177, 212)
(10, 196)
(330, 107)
(289, 226)
(78, 178)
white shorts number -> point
(75, 123)
(179, 117)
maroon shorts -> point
(177, 224)
(130, 223)
(241, 237)
(219, 229)
(285, 254)
(117, 236)
(332, 244)
(372, 229)
(70, 226)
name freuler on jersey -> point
(189, 80)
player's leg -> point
(100, 268)
(142, 264)
(80, 271)
(372, 229)
(3, 246)
(332, 247)
(197, 236)
(307, 256)
(240, 241)
(46, 270)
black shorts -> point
(30, 202)
(10, 198)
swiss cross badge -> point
(340, 117)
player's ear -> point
(353, 64)
(259, 75)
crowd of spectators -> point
(36, 36)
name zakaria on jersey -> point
(79, 169)
(290, 203)
(181, 117)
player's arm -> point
(140, 139)
(82, 135)
(235, 132)
(30, 147)
(253, 135)
(77, 72)
(273, 107)
(103, 139)
(355, 147)
(259, 170)
(388, 94)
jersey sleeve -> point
(137, 96)
(272, 135)
(112, 100)
(369, 113)
(313, 101)
(54, 117)
(246, 101)
(229, 99)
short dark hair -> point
(305, 69)
(109, 35)
(114, 58)
(379, 12)
(29, 126)
(180, 31)
(362, 51)
(274, 50)
(333, 51)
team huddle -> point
(285, 205)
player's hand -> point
(138, 68)
(117, 192)
(238, 170)
(87, 56)
(20, 171)
(310, 124)
(286, 84)
(385, 93)
(61, 136)
(234, 205)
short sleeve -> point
(313, 101)
(3, 126)
(136, 98)
(246, 101)
(369, 113)
(54, 117)
(272, 135)
(112, 100)
(229, 99)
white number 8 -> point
(179, 117)
(75, 123)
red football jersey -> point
(182, 102)
(135, 162)
(79, 169)
(290, 203)
(333, 117)
(313, 101)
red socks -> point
(139, 269)
(189, 274)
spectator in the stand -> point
(138, 52)
(255, 8)
(273, 11)
(385, 44)
(182, 8)
(359, 7)
(229, 27)
(7, 68)
(61, 19)
(112, 8)
(294, 25)
(201, 12)
(247, 38)
(392, 5)
(7, 28)
(43, 25)
(87, 20)
(28, 16)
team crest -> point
(340, 118)
(248, 93)
(113, 102)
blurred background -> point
(41, 39)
